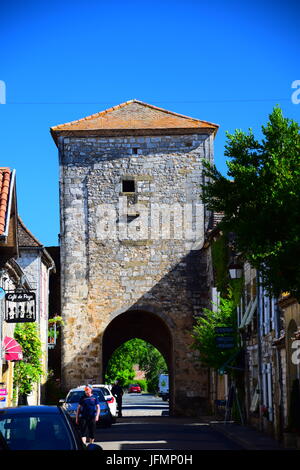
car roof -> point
(94, 386)
(81, 389)
(101, 386)
(77, 389)
(39, 409)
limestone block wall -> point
(111, 263)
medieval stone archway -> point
(144, 325)
(133, 227)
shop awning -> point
(12, 349)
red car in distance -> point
(134, 389)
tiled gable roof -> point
(25, 237)
(134, 115)
(5, 176)
(27, 240)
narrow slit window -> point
(128, 186)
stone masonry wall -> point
(108, 270)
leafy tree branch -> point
(28, 371)
(260, 200)
(205, 336)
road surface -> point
(136, 404)
(145, 425)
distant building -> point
(139, 374)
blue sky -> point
(227, 62)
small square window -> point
(135, 150)
(128, 186)
(131, 217)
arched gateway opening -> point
(144, 325)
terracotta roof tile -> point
(5, 175)
(133, 115)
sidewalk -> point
(247, 437)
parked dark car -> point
(39, 428)
(70, 405)
(134, 388)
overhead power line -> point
(109, 103)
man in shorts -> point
(89, 412)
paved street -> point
(136, 404)
(145, 425)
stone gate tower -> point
(132, 232)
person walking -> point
(117, 391)
(88, 412)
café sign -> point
(20, 307)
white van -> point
(163, 386)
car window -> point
(99, 394)
(36, 432)
(74, 397)
(105, 391)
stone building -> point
(10, 274)
(24, 266)
(288, 350)
(258, 319)
(37, 265)
(132, 233)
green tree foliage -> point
(152, 363)
(135, 351)
(28, 371)
(120, 365)
(220, 260)
(205, 336)
(261, 200)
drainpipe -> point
(259, 346)
(49, 269)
